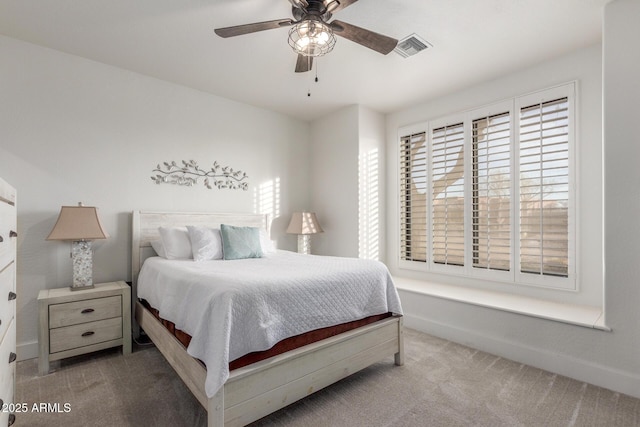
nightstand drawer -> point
(76, 336)
(90, 310)
(7, 306)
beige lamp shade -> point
(304, 223)
(78, 223)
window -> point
(491, 190)
(544, 188)
(488, 193)
(413, 203)
(447, 196)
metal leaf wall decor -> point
(189, 173)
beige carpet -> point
(441, 384)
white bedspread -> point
(231, 308)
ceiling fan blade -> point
(342, 4)
(304, 63)
(375, 41)
(239, 30)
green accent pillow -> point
(240, 242)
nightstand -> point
(79, 322)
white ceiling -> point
(173, 40)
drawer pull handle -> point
(1, 239)
(12, 419)
(87, 310)
(12, 296)
(88, 334)
(13, 233)
(12, 357)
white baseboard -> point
(28, 350)
(599, 375)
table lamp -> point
(304, 224)
(80, 225)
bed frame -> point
(259, 389)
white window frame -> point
(436, 124)
(568, 91)
(513, 276)
(498, 275)
(404, 264)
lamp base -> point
(82, 259)
(304, 244)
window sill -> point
(580, 315)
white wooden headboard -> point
(145, 229)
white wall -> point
(609, 359)
(334, 182)
(76, 130)
(622, 182)
(347, 182)
(371, 192)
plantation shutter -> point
(448, 194)
(544, 188)
(413, 197)
(491, 191)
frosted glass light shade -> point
(311, 37)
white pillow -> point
(176, 242)
(266, 242)
(206, 243)
(159, 248)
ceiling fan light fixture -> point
(311, 38)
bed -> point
(250, 392)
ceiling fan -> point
(311, 34)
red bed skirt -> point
(283, 346)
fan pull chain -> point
(308, 63)
(315, 79)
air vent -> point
(411, 45)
